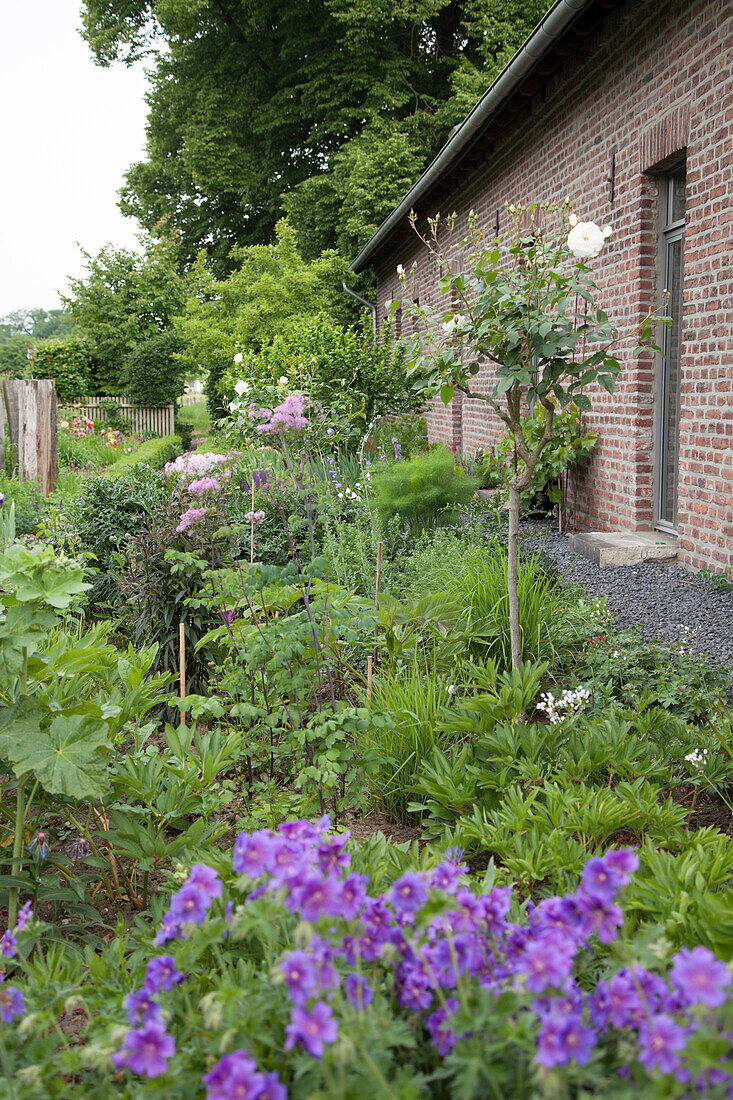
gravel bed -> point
(658, 599)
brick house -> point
(627, 107)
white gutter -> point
(547, 31)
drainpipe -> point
(372, 308)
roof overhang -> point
(546, 33)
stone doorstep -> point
(623, 547)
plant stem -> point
(512, 572)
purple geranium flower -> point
(599, 916)
(700, 977)
(234, 1077)
(300, 976)
(659, 1040)
(190, 905)
(12, 1002)
(546, 961)
(358, 991)
(438, 1024)
(251, 853)
(161, 973)
(146, 1051)
(563, 1039)
(141, 1007)
(600, 880)
(315, 895)
(170, 926)
(205, 879)
(272, 1088)
(408, 893)
(313, 1029)
(353, 895)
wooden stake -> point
(376, 607)
(182, 660)
(252, 526)
(559, 507)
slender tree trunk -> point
(512, 575)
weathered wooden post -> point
(31, 405)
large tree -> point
(124, 299)
(251, 100)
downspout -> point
(372, 308)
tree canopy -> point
(328, 109)
(124, 299)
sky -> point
(69, 131)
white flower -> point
(607, 231)
(238, 358)
(586, 240)
(512, 208)
(241, 387)
(457, 321)
(400, 270)
(451, 689)
(283, 382)
(573, 219)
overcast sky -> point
(69, 131)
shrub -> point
(69, 363)
(153, 374)
(418, 490)
(104, 514)
(153, 452)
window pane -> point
(671, 384)
(676, 202)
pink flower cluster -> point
(198, 465)
(189, 517)
(286, 417)
(203, 485)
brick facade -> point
(634, 88)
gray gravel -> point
(658, 599)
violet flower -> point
(145, 1052)
(313, 1029)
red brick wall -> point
(652, 83)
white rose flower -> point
(238, 358)
(241, 387)
(512, 208)
(457, 321)
(400, 270)
(586, 240)
(283, 382)
(573, 219)
(607, 230)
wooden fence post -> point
(31, 405)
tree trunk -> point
(512, 575)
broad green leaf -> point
(446, 394)
(65, 758)
(17, 723)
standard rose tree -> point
(526, 308)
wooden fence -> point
(192, 399)
(148, 419)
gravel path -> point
(656, 598)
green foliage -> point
(69, 362)
(419, 489)
(85, 451)
(105, 513)
(30, 505)
(404, 728)
(352, 98)
(344, 372)
(476, 602)
(566, 450)
(124, 299)
(633, 672)
(14, 357)
(153, 372)
(153, 452)
(271, 291)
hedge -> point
(153, 452)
